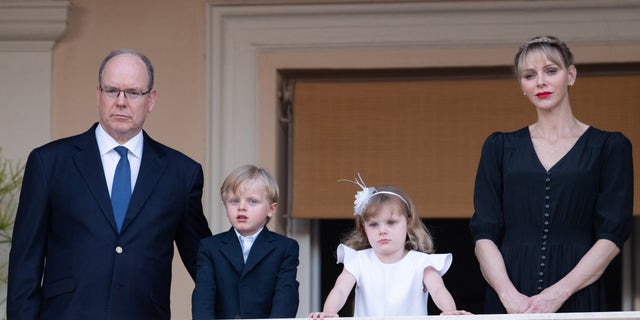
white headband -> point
(363, 196)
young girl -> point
(387, 257)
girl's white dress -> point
(390, 289)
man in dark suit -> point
(95, 230)
(247, 272)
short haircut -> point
(240, 176)
(132, 52)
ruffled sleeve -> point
(349, 257)
(487, 221)
(614, 206)
(440, 261)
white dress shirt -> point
(246, 242)
(110, 157)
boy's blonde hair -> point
(418, 236)
(237, 180)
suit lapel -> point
(89, 163)
(260, 248)
(232, 251)
(152, 167)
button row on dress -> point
(545, 231)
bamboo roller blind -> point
(425, 136)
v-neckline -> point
(533, 148)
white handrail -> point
(617, 315)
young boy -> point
(248, 271)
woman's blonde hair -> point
(549, 46)
(418, 236)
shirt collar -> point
(253, 236)
(106, 143)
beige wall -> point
(170, 32)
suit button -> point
(118, 249)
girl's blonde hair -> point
(418, 236)
(549, 46)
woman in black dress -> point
(553, 201)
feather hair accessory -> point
(363, 196)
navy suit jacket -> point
(68, 260)
(264, 287)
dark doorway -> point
(463, 279)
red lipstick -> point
(543, 94)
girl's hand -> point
(322, 315)
(456, 313)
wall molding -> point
(28, 31)
(32, 25)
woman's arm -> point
(337, 297)
(589, 269)
(494, 271)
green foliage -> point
(10, 183)
(11, 173)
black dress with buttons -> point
(544, 221)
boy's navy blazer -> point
(92, 271)
(263, 287)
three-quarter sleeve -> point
(487, 221)
(614, 205)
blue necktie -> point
(121, 189)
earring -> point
(524, 93)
